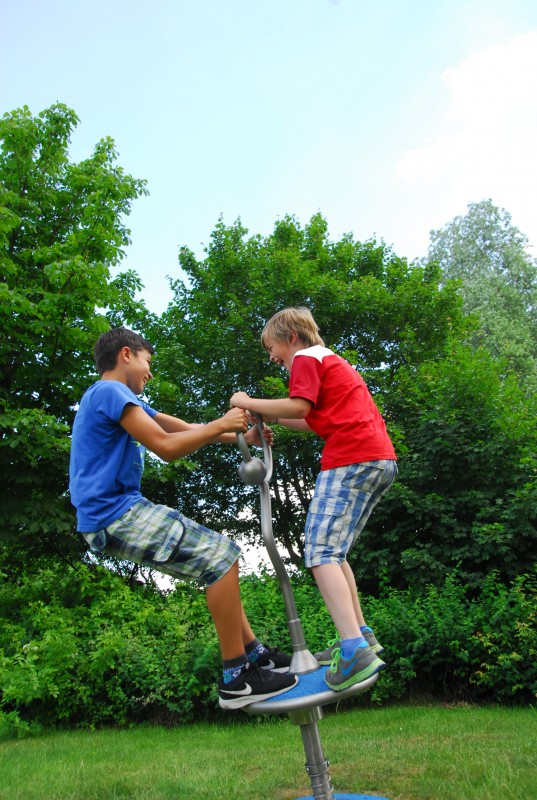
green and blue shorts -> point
(163, 539)
(342, 503)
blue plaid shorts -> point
(164, 539)
(342, 503)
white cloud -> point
(486, 145)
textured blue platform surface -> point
(348, 797)
(310, 691)
(312, 683)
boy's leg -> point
(325, 656)
(353, 661)
(336, 593)
(342, 503)
(163, 539)
(225, 606)
(247, 633)
(349, 577)
(245, 683)
(367, 632)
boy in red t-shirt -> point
(358, 465)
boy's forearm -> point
(185, 442)
(227, 438)
(286, 408)
(294, 424)
(171, 438)
(175, 425)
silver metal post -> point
(302, 660)
(255, 471)
(252, 471)
(317, 766)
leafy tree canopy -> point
(466, 496)
(62, 232)
(461, 421)
(490, 258)
(373, 307)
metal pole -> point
(317, 766)
(302, 661)
(255, 471)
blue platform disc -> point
(348, 797)
(310, 691)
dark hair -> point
(111, 342)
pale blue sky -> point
(388, 117)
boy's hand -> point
(239, 400)
(236, 420)
(252, 437)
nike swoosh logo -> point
(346, 670)
(270, 665)
(246, 691)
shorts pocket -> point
(171, 542)
(96, 540)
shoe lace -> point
(255, 671)
(272, 651)
(336, 655)
(335, 644)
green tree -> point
(466, 499)
(373, 307)
(61, 234)
(489, 256)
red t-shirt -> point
(344, 413)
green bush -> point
(83, 647)
(79, 647)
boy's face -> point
(282, 352)
(139, 372)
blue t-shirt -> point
(106, 462)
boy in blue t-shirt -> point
(111, 432)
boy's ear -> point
(124, 355)
(293, 337)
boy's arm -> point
(172, 424)
(290, 409)
(170, 440)
(295, 424)
(176, 425)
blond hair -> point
(298, 320)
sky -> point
(387, 117)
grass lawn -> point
(401, 752)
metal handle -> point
(255, 471)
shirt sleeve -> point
(147, 408)
(112, 398)
(305, 380)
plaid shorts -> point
(164, 539)
(342, 503)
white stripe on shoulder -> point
(317, 351)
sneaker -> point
(345, 672)
(274, 660)
(375, 645)
(253, 685)
(325, 656)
